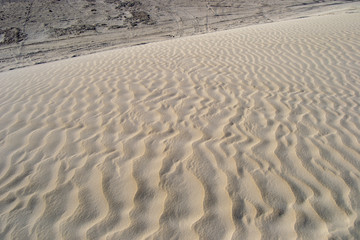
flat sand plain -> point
(251, 133)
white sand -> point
(245, 134)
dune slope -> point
(251, 133)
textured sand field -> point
(251, 133)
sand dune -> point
(39, 31)
(251, 133)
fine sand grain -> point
(251, 133)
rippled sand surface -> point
(251, 133)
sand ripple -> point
(251, 133)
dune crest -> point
(251, 133)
